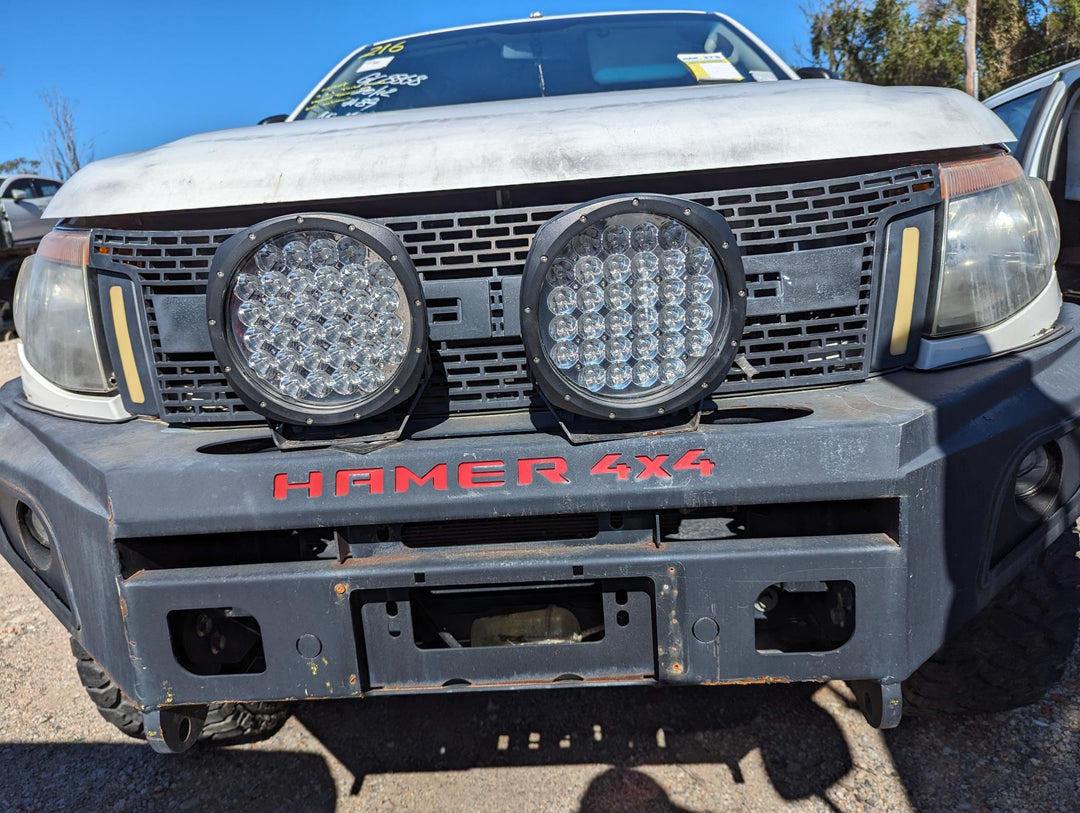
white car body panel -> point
(25, 224)
(530, 141)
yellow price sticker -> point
(711, 67)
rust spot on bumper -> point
(754, 681)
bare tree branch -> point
(62, 151)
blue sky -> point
(142, 73)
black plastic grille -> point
(471, 377)
(783, 344)
(191, 386)
(806, 347)
(472, 244)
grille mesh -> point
(475, 377)
(473, 244)
(779, 348)
(191, 385)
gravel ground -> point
(764, 748)
(9, 361)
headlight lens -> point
(53, 315)
(636, 302)
(322, 316)
(1001, 240)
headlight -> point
(1001, 240)
(317, 319)
(53, 315)
(632, 306)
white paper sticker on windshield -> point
(374, 64)
(763, 76)
(711, 67)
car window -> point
(1017, 113)
(45, 188)
(25, 184)
(542, 58)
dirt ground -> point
(765, 748)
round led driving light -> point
(319, 319)
(632, 306)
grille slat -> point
(782, 345)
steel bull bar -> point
(881, 507)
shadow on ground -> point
(619, 726)
(1023, 757)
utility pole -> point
(971, 70)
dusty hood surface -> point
(529, 141)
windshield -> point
(542, 58)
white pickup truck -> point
(570, 351)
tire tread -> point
(226, 723)
(1013, 651)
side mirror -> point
(815, 73)
(18, 195)
(280, 117)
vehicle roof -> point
(18, 176)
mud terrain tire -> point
(226, 723)
(1013, 651)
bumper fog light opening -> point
(1038, 481)
(34, 538)
(217, 641)
(812, 616)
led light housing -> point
(1000, 242)
(632, 306)
(53, 314)
(317, 319)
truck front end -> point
(579, 408)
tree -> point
(1011, 42)
(63, 153)
(852, 38)
(18, 166)
(971, 68)
(891, 42)
(1061, 27)
(882, 42)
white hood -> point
(530, 141)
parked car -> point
(23, 198)
(570, 351)
(1041, 112)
